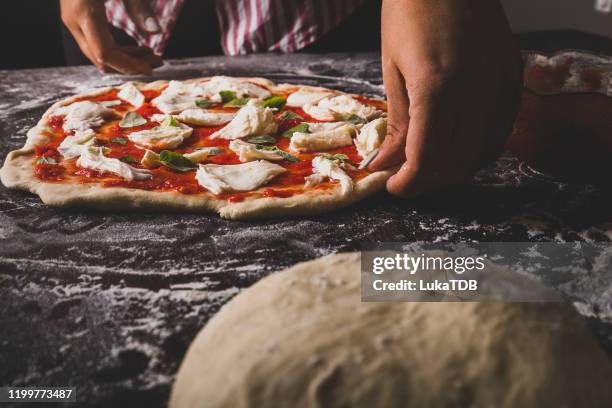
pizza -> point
(242, 147)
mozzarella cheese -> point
(340, 108)
(72, 146)
(93, 158)
(130, 93)
(248, 152)
(150, 159)
(178, 96)
(323, 136)
(202, 117)
(332, 169)
(371, 136)
(237, 177)
(161, 137)
(201, 154)
(242, 88)
(252, 119)
(84, 115)
(306, 96)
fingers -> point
(86, 20)
(142, 15)
(103, 48)
(392, 150)
(428, 158)
(143, 53)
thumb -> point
(392, 150)
(142, 15)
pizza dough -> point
(180, 98)
(303, 338)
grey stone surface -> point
(108, 302)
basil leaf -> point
(119, 140)
(277, 102)
(302, 128)
(46, 160)
(336, 157)
(175, 161)
(236, 103)
(287, 156)
(290, 115)
(127, 159)
(203, 103)
(356, 120)
(227, 96)
(281, 153)
(170, 121)
(264, 139)
(132, 119)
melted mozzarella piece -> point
(323, 136)
(248, 152)
(306, 96)
(252, 119)
(161, 137)
(340, 108)
(131, 94)
(201, 154)
(150, 159)
(178, 96)
(84, 115)
(93, 158)
(237, 177)
(371, 136)
(201, 117)
(325, 168)
(72, 146)
(242, 88)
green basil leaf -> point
(170, 121)
(266, 148)
(227, 96)
(336, 157)
(281, 153)
(46, 160)
(132, 119)
(356, 120)
(287, 156)
(175, 161)
(302, 128)
(290, 115)
(128, 159)
(236, 103)
(203, 103)
(264, 139)
(119, 140)
(277, 102)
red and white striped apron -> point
(247, 26)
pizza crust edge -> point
(17, 172)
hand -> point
(453, 78)
(86, 20)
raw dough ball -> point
(303, 338)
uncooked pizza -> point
(243, 147)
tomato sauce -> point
(118, 145)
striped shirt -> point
(247, 26)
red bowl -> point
(564, 127)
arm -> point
(86, 20)
(453, 77)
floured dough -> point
(303, 338)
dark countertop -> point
(109, 302)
